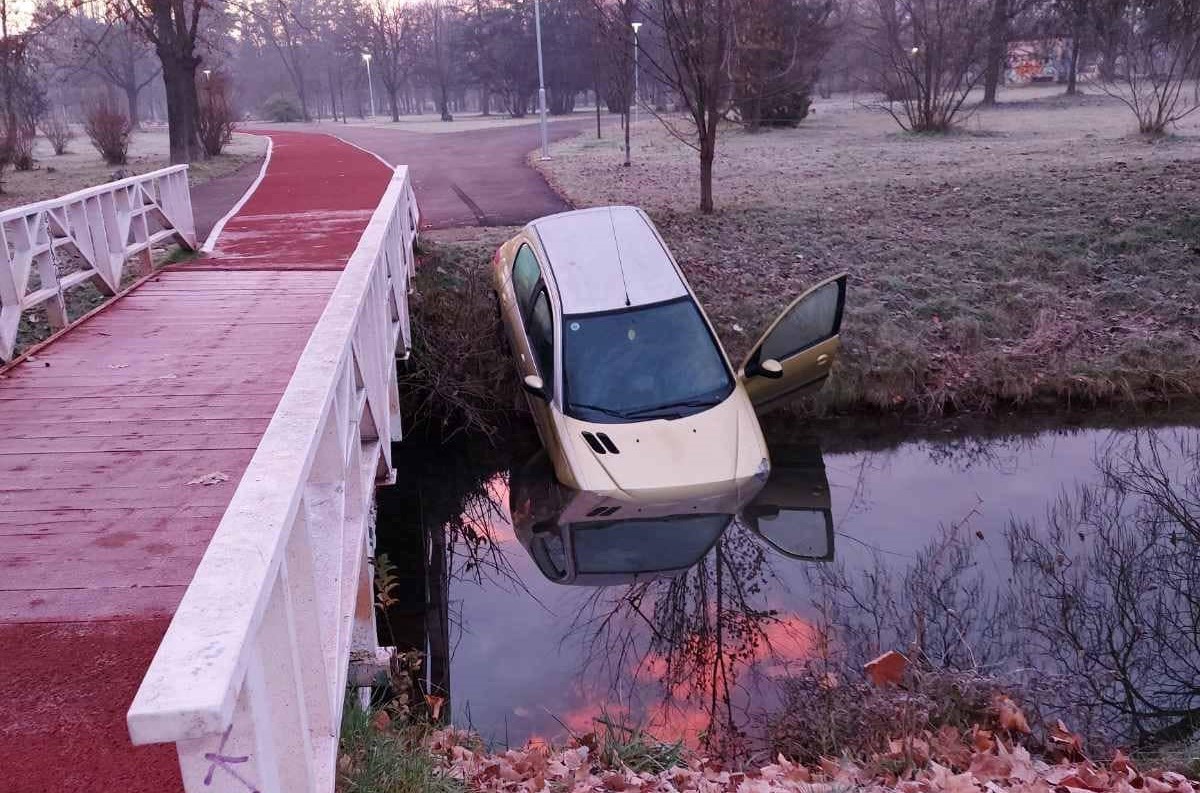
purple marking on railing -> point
(223, 762)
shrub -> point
(931, 56)
(281, 108)
(109, 130)
(785, 109)
(22, 148)
(216, 118)
(459, 378)
(58, 132)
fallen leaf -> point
(1010, 716)
(435, 705)
(1065, 741)
(214, 478)
(887, 668)
(613, 782)
(1120, 763)
(986, 767)
(118, 366)
(982, 739)
(381, 721)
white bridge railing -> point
(250, 679)
(99, 229)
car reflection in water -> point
(587, 539)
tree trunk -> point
(444, 103)
(131, 101)
(303, 96)
(179, 82)
(708, 151)
(1073, 72)
(333, 97)
(997, 51)
(394, 103)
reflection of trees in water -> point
(436, 524)
(1107, 592)
(940, 610)
(698, 633)
(1100, 621)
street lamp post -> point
(366, 56)
(637, 99)
(537, 25)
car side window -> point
(525, 277)
(808, 323)
(539, 327)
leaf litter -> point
(975, 761)
(949, 760)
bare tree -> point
(697, 39)
(932, 53)
(112, 51)
(289, 26)
(1157, 62)
(174, 28)
(389, 32)
(22, 97)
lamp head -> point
(636, 26)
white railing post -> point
(103, 226)
(256, 656)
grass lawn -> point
(1043, 254)
(82, 166)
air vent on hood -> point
(608, 443)
(603, 512)
(596, 445)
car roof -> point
(607, 258)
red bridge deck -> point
(106, 435)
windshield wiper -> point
(606, 411)
(672, 407)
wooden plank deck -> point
(104, 432)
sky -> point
(19, 13)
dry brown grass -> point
(1043, 255)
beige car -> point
(629, 387)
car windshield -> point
(658, 361)
(646, 546)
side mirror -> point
(534, 386)
(770, 369)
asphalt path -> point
(474, 178)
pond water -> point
(987, 554)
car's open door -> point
(797, 351)
(793, 512)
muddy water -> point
(937, 548)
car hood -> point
(710, 452)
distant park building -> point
(1038, 61)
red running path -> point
(102, 431)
